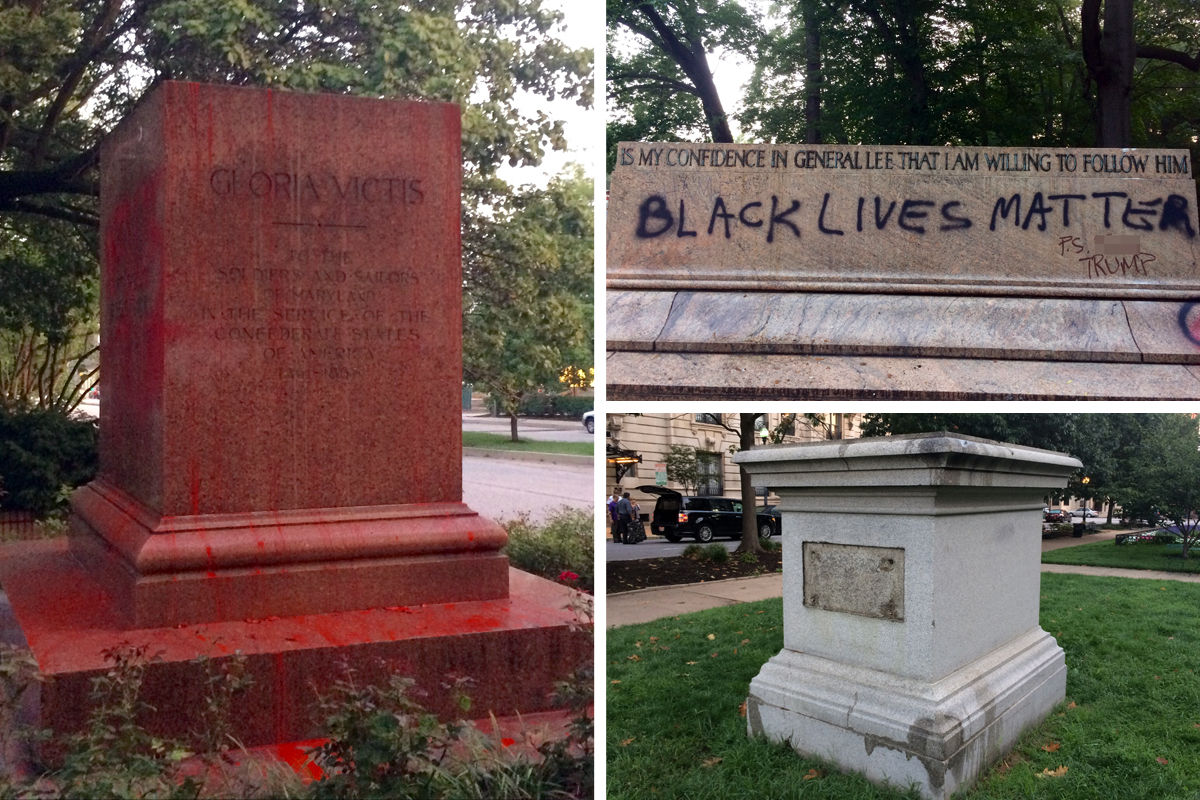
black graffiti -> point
(654, 209)
(1171, 212)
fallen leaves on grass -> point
(634, 657)
(742, 709)
(712, 762)
(711, 636)
(627, 742)
(1053, 773)
(1052, 747)
(813, 774)
(1162, 761)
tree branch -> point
(660, 80)
(1167, 54)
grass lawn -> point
(1130, 727)
(1143, 555)
(498, 441)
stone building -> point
(638, 445)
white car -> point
(589, 421)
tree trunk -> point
(512, 425)
(812, 73)
(691, 58)
(1109, 54)
(750, 542)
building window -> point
(709, 419)
(710, 474)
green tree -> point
(48, 324)
(71, 69)
(1165, 474)
(660, 84)
(682, 467)
(527, 302)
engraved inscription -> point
(316, 307)
(868, 581)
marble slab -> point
(936, 220)
(712, 376)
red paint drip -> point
(296, 756)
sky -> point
(583, 26)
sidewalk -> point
(647, 605)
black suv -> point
(676, 516)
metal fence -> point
(18, 525)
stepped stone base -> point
(939, 736)
(69, 620)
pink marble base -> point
(514, 649)
(181, 570)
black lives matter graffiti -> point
(921, 198)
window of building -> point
(711, 474)
(709, 419)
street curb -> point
(562, 459)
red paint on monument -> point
(281, 318)
(281, 444)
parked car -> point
(1085, 512)
(589, 421)
(677, 515)
(1055, 515)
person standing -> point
(612, 514)
(624, 515)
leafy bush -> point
(1165, 537)
(43, 456)
(553, 405)
(716, 553)
(561, 545)
(381, 743)
(384, 744)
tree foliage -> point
(659, 76)
(1053, 73)
(527, 302)
(683, 467)
(71, 69)
(1149, 464)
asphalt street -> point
(503, 489)
(543, 430)
(655, 547)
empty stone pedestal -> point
(912, 649)
(281, 445)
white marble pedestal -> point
(912, 649)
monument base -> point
(513, 649)
(829, 345)
(181, 570)
(939, 736)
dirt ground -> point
(647, 572)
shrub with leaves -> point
(43, 456)
(115, 757)
(562, 544)
(382, 743)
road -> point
(655, 547)
(542, 430)
(504, 489)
